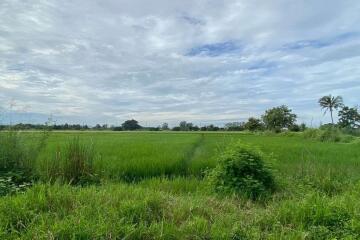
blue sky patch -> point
(319, 43)
(214, 50)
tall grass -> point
(71, 163)
(128, 211)
(18, 153)
(317, 197)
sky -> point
(105, 61)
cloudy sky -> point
(89, 61)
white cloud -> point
(108, 61)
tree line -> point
(274, 119)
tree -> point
(235, 126)
(165, 126)
(349, 117)
(331, 103)
(279, 117)
(210, 127)
(185, 126)
(254, 124)
(130, 125)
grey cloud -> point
(117, 59)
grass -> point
(152, 188)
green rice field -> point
(154, 186)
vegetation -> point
(317, 197)
(184, 184)
(17, 157)
(241, 170)
(349, 118)
(72, 163)
(130, 125)
(254, 124)
(331, 103)
(279, 117)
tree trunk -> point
(332, 120)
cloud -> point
(96, 61)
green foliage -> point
(297, 127)
(279, 117)
(349, 118)
(130, 125)
(327, 134)
(242, 170)
(18, 153)
(72, 163)
(254, 124)
(330, 103)
(317, 197)
(13, 151)
(14, 182)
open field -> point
(152, 187)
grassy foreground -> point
(152, 188)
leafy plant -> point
(242, 170)
(14, 182)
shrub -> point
(241, 170)
(330, 135)
(311, 133)
(327, 134)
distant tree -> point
(254, 124)
(330, 103)
(117, 128)
(349, 117)
(302, 127)
(183, 125)
(165, 126)
(235, 126)
(195, 128)
(187, 126)
(177, 128)
(297, 127)
(278, 117)
(210, 127)
(130, 125)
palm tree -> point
(330, 103)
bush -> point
(330, 135)
(241, 170)
(327, 134)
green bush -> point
(241, 170)
(328, 134)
